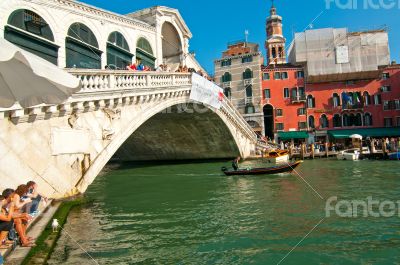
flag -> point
(345, 98)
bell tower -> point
(275, 43)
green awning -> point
(293, 135)
(368, 132)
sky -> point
(214, 23)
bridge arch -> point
(135, 124)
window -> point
(385, 76)
(279, 126)
(267, 93)
(273, 53)
(144, 52)
(249, 109)
(40, 41)
(286, 92)
(398, 121)
(247, 59)
(385, 105)
(302, 125)
(279, 112)
(227, 92)
(388, 122)
(266, 76)
(337, 121)
(367, 99)
(378, 99)
(346, 120)
(249, 91)
(310, 101)
(397, 104)
(300, 74)
(227, 77)
(358, 120)
(336, 100)
(302, 93)
(367, 119)
(280, 52)
(324, 121)
(118, 54)
(277, 75)
(385, 88)
(226, 63)
(247, 74)
(284, 75)
(301, 111)
(82, 48)
(311, 122)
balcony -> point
(358, 106)
(247, 82)
(226, 84)
(298, 99)
(248, 100)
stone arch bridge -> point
(124, 115)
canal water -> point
(191, 214)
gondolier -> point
(235, 163)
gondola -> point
(283, 168)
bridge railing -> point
(106, 80)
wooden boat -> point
(277, 156)
(283, 168)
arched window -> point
(247, 74)
(311, 122)
(337, 121)
(144, 53)
(118, 54)
(346, 120)
(367, 119)
(310, 101)
(324, 121)
(227, 77)
(336, 100)
(249, 109)
(366, 99)
(31, 32)
(82, 48)
(358, 120)
(249, 91)
(227, 92)
(352, 119)
(273, 53)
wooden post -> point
(312, 151)
(302, 151)
(326, 149)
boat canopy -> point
(368, 132)
(293, 135)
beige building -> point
(238, 72)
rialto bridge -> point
(134, 116)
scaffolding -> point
(336, 55)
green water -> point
(191, 214)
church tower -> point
(275, 43)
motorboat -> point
(395, 155)
(349, 154)
(283, 168)
(277, 156)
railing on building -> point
(226, 84)
(298, 98)
(247, 82)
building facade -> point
(238, 72)
(71, 34)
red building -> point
(284, 98)
(335, 91)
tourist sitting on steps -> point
(20, 219)
(6, 223)
(32, 207)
